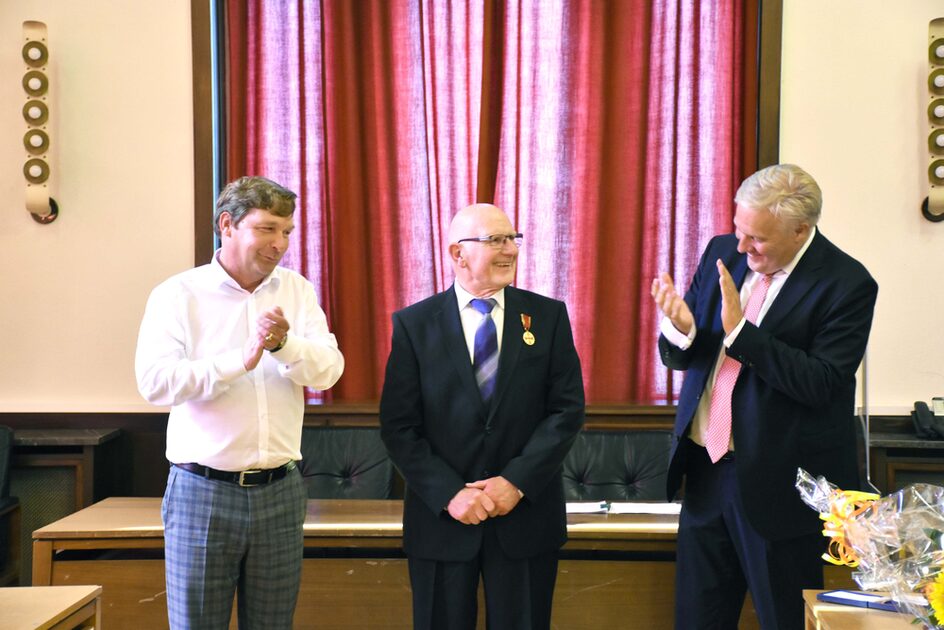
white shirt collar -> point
(221, 277)
(464, 297)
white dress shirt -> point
(471, 318)
(190, 356)
(699, 428)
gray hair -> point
(248, 193)
(786, 191)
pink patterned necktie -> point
(719, 411)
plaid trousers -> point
(221, 539)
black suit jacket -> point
(793, 404)
(440, 434)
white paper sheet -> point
(623, 507)
(644, 507)
(586, 507)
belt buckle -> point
(242, 478)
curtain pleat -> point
(612, 133)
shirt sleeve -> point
(165, 374)
(310, 356)
(730, 339)
(674, 336)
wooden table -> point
(52, 607)
(616, 571)
(828, 616)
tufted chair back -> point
(617, 466)
(6, 453)
(9, 514)
(345, 463)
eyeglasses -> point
(496, 241)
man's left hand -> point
(502, 492)
(731, 312)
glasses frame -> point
(496, 241)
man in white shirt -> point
(230, 346)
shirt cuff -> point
(676, 337)
(230, 365)
(729, 340)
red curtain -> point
(611, 133)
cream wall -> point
(73, 291)
(853, 113)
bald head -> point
(466, 222)
(480, 268)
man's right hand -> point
(252, 351)
(470, 506)
(671, 303)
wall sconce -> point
(37, 140)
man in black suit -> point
(479, 443)
(769, 387)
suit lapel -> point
(801, 281)
(738, 270)
(515, 305)
(454, 342)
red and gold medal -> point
(526, 324)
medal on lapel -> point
(526, 324)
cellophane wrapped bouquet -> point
(894, 541)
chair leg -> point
(15, 555)
(11, 575)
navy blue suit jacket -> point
(794, 401)
(440, 434)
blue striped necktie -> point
(485, 355)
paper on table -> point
(645, 508)
(623, 507)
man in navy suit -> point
(480, 444)
(769, 387)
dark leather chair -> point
(345, 463)
(617, 466)
(9, 515)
